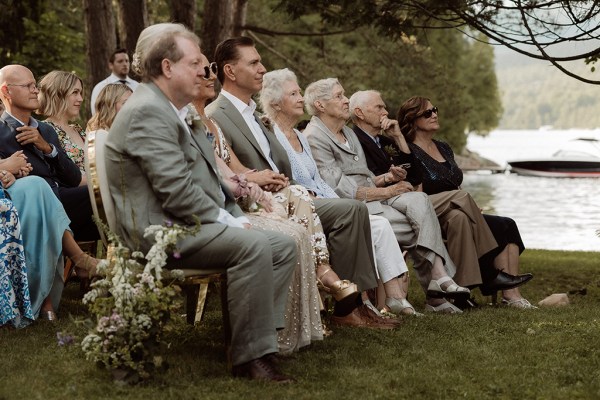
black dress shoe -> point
(260, 369)
(466, 304)
(504, 281)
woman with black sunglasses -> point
(462, 223)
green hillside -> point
(536, 94)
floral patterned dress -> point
(294, 215)
(15, 305)
(75, 153)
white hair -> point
(359, 100)
(319, 90)
(272, 89)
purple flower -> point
(64, 339)
(168, 223)
(176, 254)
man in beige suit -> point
(345, 222)
(160, 168)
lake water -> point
(552, 213)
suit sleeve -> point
(154, 143)
(324, 156)
(65, 169)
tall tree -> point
(184, 12)
(133, 18)
(222, 19)
(101, 39)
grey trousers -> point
(417, 230)
(259, 267)
(348, 230)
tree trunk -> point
(133, 18)
(101, 40)
(222, 19)
(184, 12)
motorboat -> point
(579, 159)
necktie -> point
(123, 81)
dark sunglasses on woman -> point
(212, 67)
(426, 113)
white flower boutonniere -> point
(192, 118)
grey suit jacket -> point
(243, 142)
(343, 168)
(160, 171)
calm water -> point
(552, 213)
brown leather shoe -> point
(393, 322)
(260, 369)
(361, 317)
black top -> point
(438, 176)
(379, 160)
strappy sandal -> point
(436, 289)
(521, 303)
(338, 289)
(444, 308)
(84, 265)
(401, 307)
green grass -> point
(489, 353)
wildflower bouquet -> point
(131, 305)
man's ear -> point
(359, 113)
(229, 72)
(165, 66)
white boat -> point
(580, 159)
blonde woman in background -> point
(60, 97)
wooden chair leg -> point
(191, 302)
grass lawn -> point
(489, 353)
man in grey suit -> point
(345, 222)
(160, 168)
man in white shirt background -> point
(119, 66)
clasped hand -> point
(30, 135)
(17, 164)
(268, 180)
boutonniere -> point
(192, 118)
(266, 122)
(391, 151)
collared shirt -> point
(224, 216)
(247, 111)
(111, 79)
(34, 124)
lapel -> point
(14, 124)
(352, 149)
(370, 145)
(231, 112)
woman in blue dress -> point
(46, 235)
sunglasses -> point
(212, 67)
(429, 113)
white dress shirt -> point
(111, 79)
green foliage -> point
(455, 73)
(56, 42)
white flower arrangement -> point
(132, 303)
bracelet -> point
(384, 180)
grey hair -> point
(156, 43)
(272, 89)
(319, 90)
(359, 100)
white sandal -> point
(452, 290)
(446, 307)
(521, 303)
(401, 307)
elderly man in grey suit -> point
(345, 222)
(161, 168)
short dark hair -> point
(227, 52)
(114, 54)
